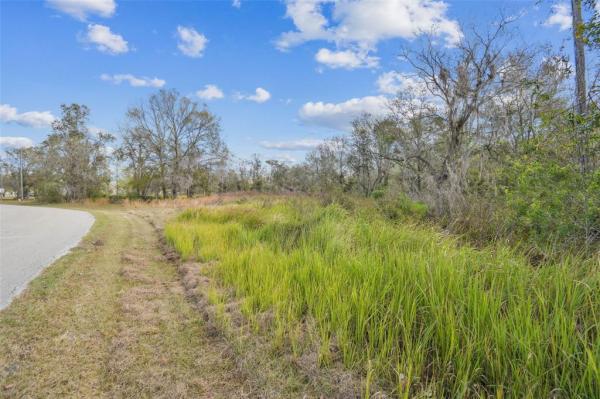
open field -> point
(403, 306)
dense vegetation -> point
(403, 304)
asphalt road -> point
(31, 238)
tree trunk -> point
(580, 86)
(579, 58)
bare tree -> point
(413, 115)
(462, 80)
(579, 46)
(371, 149)
(174, 137)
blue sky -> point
(282, 75)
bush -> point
(399, 207)
(49, 192)
(553, 207)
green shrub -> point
(378, 194)
(399, 206)
(49, 192)
(553, 206)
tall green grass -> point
(405, 305)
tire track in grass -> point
(162, 348)
(111, 320)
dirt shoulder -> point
(111, 319)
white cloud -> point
(339, 116)
(30, 119)
(191, 43)
(361, 23)
(347, 59)
(15, 142)
(210, 92)
(133, 80)
(80, 9)
(310, 23)
(108, 150)
(394, 82)
(260, 96)
(286, 158)
(236, 3)
(292, 145)
(95, 130)
(105, 40)
(561, 16)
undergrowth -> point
(402, 304)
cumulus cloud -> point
(236, 3)
(360, 24)
(394, 82)
(292, 145)
(561, 16)
(310, 23)
(191, 43)
(81, 9)
(339, 116)
(260, 96)
(15, 142)
(9, 114)
(133, 80)
(105, 40)
(210, 92)
(346, 59)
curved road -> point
(30, 239)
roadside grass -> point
(51, 328)
(405, 306)
(110, 319)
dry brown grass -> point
(112, 320)
(209, 200)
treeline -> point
(487, 138)
(70, 164)
(490, 141)
(169, 145)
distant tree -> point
(256, 173)
(371, 146)
(168, 138)
(461, 81)
(278, 175)
(72, 163)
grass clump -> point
(404, 305)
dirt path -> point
(111, 320)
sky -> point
(281, 75)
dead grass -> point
(112, 320)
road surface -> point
(30, 239)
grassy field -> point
(406, 307)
